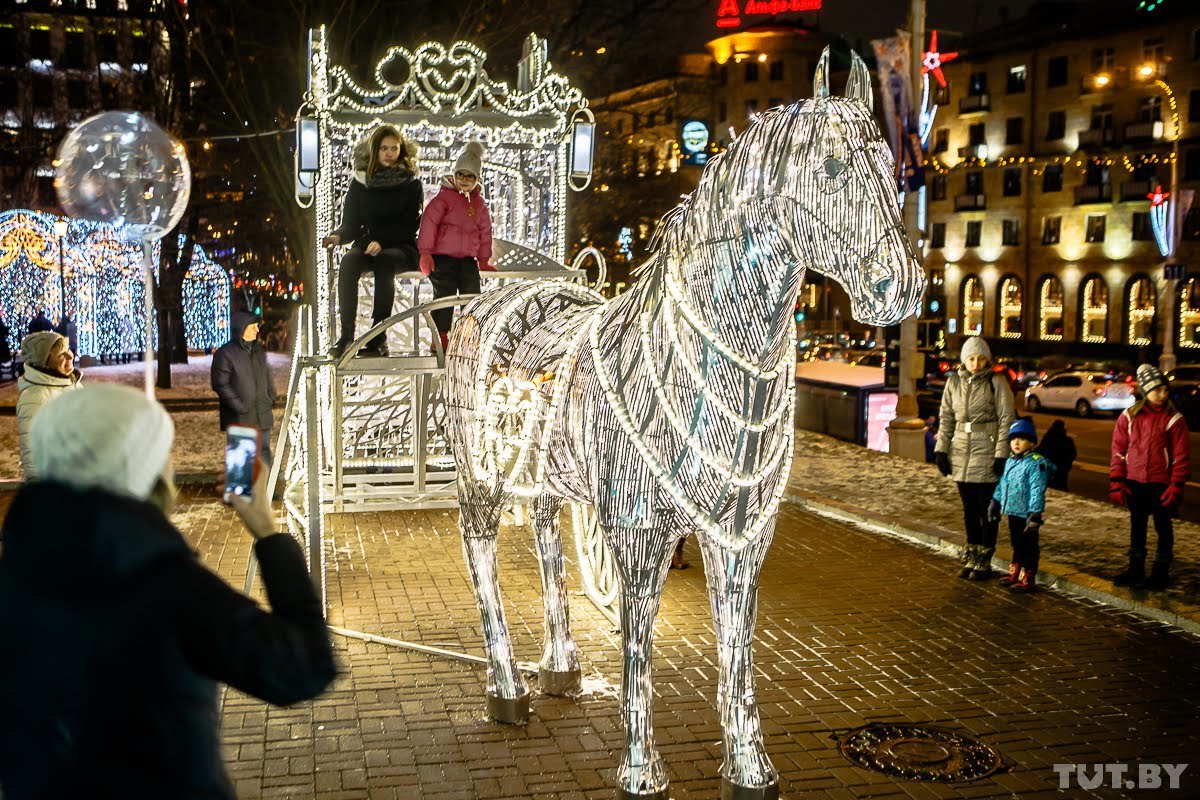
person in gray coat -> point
(972, 446)
(242, 382)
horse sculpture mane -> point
(669, 409)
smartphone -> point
(241, 460)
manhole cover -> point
(919, 752)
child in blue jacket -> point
(1021, 495)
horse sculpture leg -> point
(479, 518)
(642, 556)
(746, 772)
(558, 672)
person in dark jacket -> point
(66, 327)
(241, 379)
(39, 323)
(380, 217)
(1059, 450)
(114, 635)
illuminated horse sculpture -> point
(669, 409)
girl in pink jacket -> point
(1151, 463)
(455, 241)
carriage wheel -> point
(600, 580)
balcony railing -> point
(975, 102)
(1100, 193)
(1097, 137)
(970, 202)
(1143, 131)
(1137, 190)
(973, 151)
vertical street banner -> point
(894, 59)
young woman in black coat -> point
(381, 216)
(114, 636)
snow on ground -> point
(199, 442)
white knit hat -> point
(471, 160)
(976, 346)
(105, 437)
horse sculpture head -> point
(809, 185)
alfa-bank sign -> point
(736, 13)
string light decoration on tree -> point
(669, 409)
(104, 294)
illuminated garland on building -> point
(1039, 163)
(103, 285)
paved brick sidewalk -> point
(853, 627)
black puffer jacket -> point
(240, 378)
(389, 215)
(114, 637)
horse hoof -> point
(731, 791)
(560, 684)
(623, 794)
(507, 710)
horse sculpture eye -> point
(834, 167)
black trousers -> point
(1027, 549)
(385, 265)
(975, 500)
(452, 276)
(1145, 501)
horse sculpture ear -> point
(821, 75)
(859, 85)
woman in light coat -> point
(49, 371)
(972, 445)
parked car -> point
(1184, 385)
(1083, 392)
(1021, 372)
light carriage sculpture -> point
(669, 409)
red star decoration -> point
(933, 60)
(1158, 196)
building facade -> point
(1054, 137)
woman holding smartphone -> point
(114, 635)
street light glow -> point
(1102, 80)
(1146, 70)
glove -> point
(1172, 497)
(1033, 523)
(943, 463)
(993, 514)
(426, 264)
(998, 466)
(1118, 492)
(487, 266)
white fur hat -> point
(103, 437)
(471, 160)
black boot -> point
(340, 346)
(1136, 572)
(1159, 576)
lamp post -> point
(61, 226)
(1166, 360)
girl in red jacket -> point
(455, 241)
(1151, 463)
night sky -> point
(875, 18)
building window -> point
(110, 93)
(1103, 59)
(1014, 130)
(1095, 228)
(74, 50)
(1056, 72)
(106, 47)
(937, 187)
(1189, 314)
(141, 49)
(978, 84)
(1016, 80)
(777, 70)
(722, 111)
(1051, 230)
(1191, 164)
(1154, 50)
(751, 71)
(10, 52)
(723, 74)
(976, 134)
(1094, 310)
(937, 235)
(975, 181)
(751, 107)
(974, 233)
(1050, 309)
(1196, 44)
(1150, 109)
(941, 140)
(1010, 308)
(1052, 178)
(1140, 308)
(77, 95)
(43, 91)
(1139, 227)
(9, 98)
(1012, 233)
(1101, 118)
(1194, 106)
(1012, 182)
(972, 306)
(775, 102)
(1056, 125)
(39, 44)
